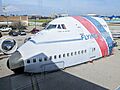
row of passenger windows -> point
(59, 56)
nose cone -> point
(15, 63)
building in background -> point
(59, 15)
(93, 15)
(12, 20)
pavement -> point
(104, 72)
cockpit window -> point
(51, 26)
(59, 27)
(63, 26)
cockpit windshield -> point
(57, 26)
(51, 26)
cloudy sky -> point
(72, 7)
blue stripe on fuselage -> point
(102, 30)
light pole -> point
(35, 22)
(4, 10)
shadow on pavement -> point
(47, 81)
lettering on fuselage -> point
(88, 36)
(94, 36)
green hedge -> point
(41, 20)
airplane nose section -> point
(15, 63)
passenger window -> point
(59, 27)
(75, 53)
(28, 61)
(55, 57)
(50, 58)
(93, 49)
(82, 51)
(34, 60)
(68, 54)
(63, 26)
(71, 53)
(45, 59)
(59, 56)
(78, 52)
(40, 59)
(63, 55)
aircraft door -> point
(92, 53)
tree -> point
(19, 25)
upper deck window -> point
(51, 26)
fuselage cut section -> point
(65, 42)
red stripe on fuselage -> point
(92, 29)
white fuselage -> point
(81, 49)
(61, 47)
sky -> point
(72, 7)
(0, 6)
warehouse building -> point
(11, 20)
